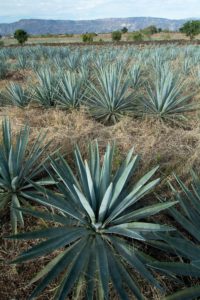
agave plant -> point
(110, 98)
(22, 61)
(71, 90)
(136, 76)
(17, 167)
(188, 217)
(196, 76)
(17, 95)
(187, 66)
(165, 99)
(34, 65)
(72, 60)
(96, 213)
(58, 62)
(4, 68)
(47, 90)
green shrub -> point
(116, 36)
(191, 29)
(150, 30)
(137, 36)
(87, 37)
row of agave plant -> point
(109, 92)
(73, 58)
(98, 219)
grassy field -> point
(105, 37)
(143, 98)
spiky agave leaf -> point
(47, 91)
(72, 60)
(186, 294)
(189, 219)
(164, 98)
(16, 167)
(136, 76)
(22, 61)
(71, 90)
(97, 212)
(110, 98)
(17, 95)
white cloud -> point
(91, 9)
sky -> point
(13, 10)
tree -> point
(116, 36)
(191, 29)
(124, 30)
(21, 36)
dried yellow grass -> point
(175, 149)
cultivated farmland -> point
(99, 172)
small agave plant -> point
(47, 90)
(4, 69)
(110, 98)
(17, 95)
(71, 90)
(17, 167)
(135, 74)
(165, 99)
(22, 62)
(100, 227)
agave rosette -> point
(101, 223)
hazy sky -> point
(12, 10)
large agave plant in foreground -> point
(102, 222)
(164, 98)
(188, 217)
(110, 98)
(17, 167)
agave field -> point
(100, 172)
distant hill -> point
(37, 26)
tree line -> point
(191, 29)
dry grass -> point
(173, 148)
